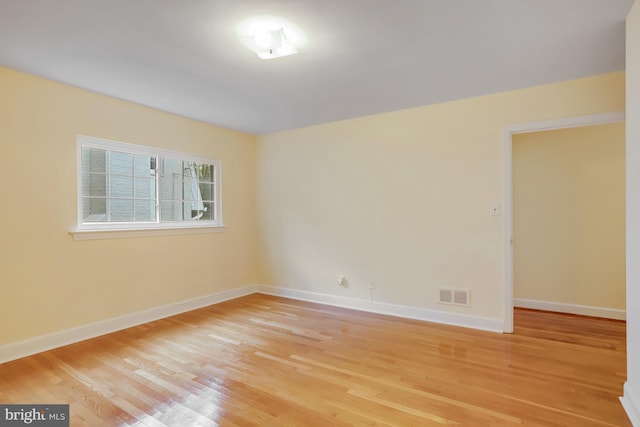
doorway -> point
(509, 133)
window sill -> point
(126, 233)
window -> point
(125, 186)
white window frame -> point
(101, 230)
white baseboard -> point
(584, 310)
(455, 319)
(631, 403)
(69, 336)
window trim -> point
(101, 230)
(114, 233)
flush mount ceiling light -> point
(270, 36)
(271, 44)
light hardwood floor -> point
(269, 361)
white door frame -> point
(508, 133)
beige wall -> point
(403, 198)
(49, 282)
(569, 216)
(400, 198)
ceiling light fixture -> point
(271, 44)
(270, 37)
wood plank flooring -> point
(268, 361)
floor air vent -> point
(455, 297)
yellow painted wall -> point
(48, 281)
(400, 198)
(569, 215)
(403, 198)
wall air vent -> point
(455, 297)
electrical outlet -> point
(372, 284)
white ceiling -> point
(363, 56)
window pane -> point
(121, 210)
(206, 191)
(120, 163)
(145, 210)
(121, 186)
(205, 172)
(94, 184)
(188, 213)
(171, 188)
(191, 192)
(170, 211)
(171, 168)
(94, 160)
(144, 166)
(208, 212)
(94, 210)
(205, 213)
(145, 188)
